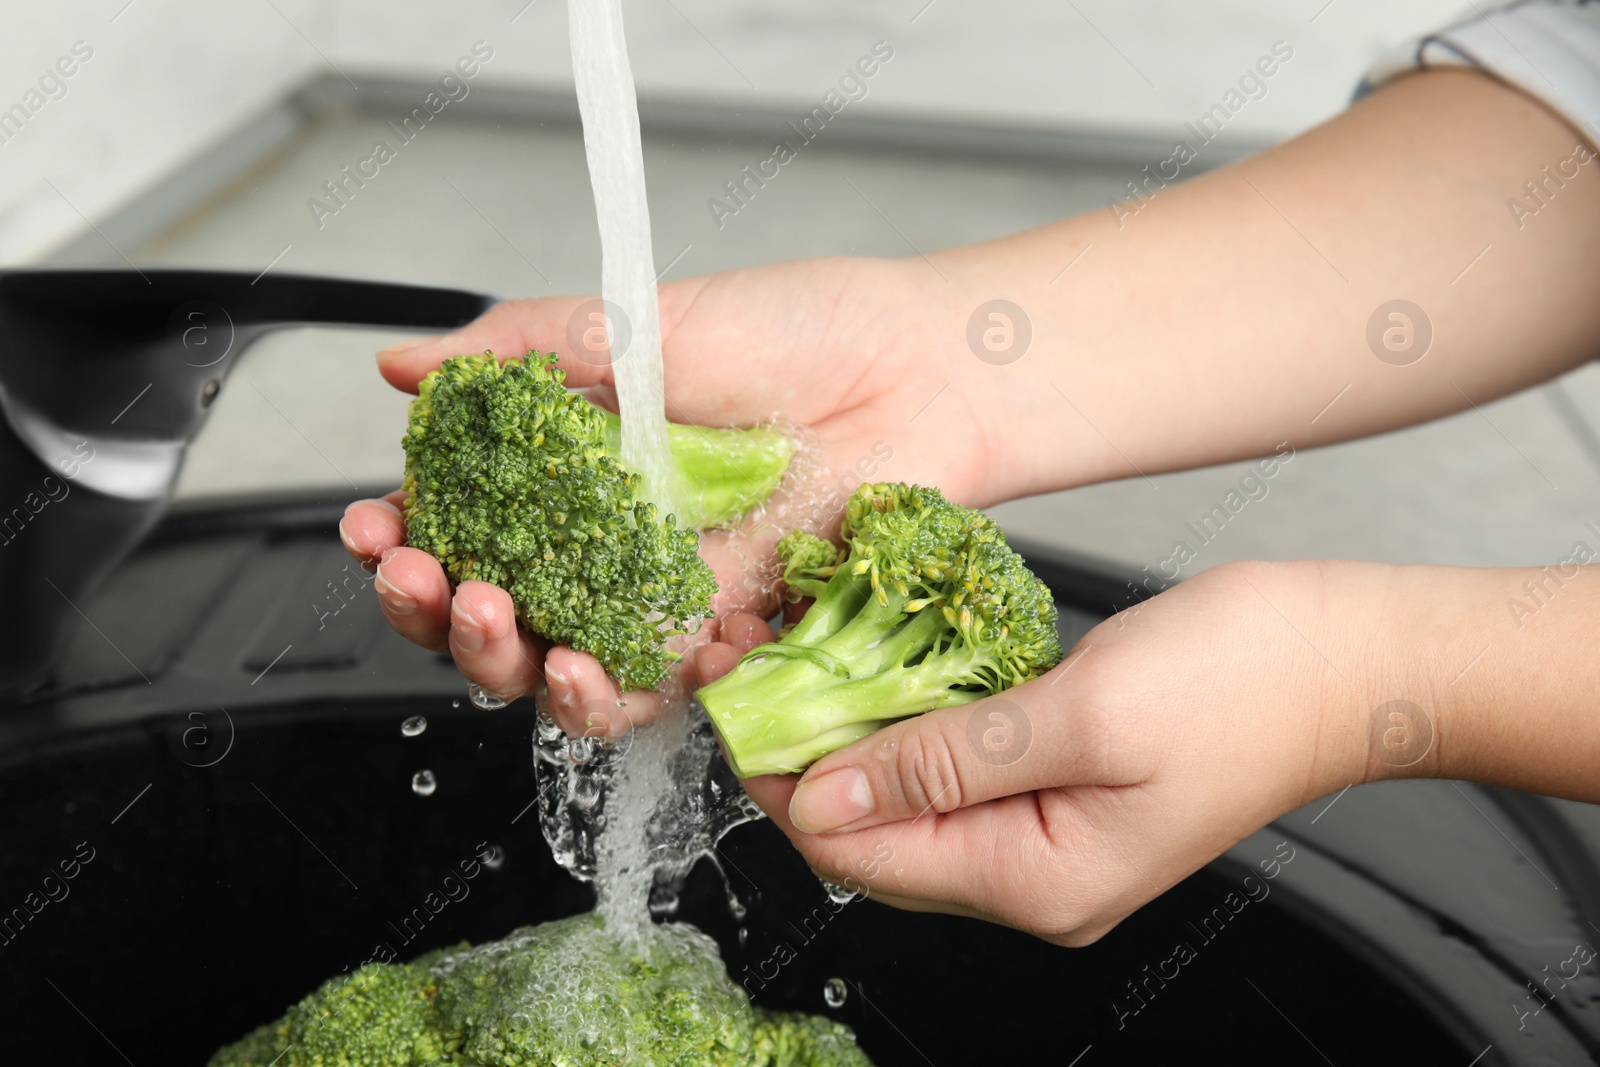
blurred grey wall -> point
(153, 81)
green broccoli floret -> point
(791, 1039)
(383, 1015)
(564, 994)
(924, 607)
(513, 479)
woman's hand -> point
(1169, 733)
(1182, 725)
(869, 356)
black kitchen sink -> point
(217, 760)
(206, 800)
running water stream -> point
(633, 816)
(610, 113)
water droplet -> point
(548, 731)
(413, 726)
(744, 935)
(834, 992)
(496, 858)
(455, 703)
(838, 893)
(423, 783)
(482, 698)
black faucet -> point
(105, 378)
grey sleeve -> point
(1550, 49)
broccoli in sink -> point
(564, 994)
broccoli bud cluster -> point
(924, 607)
(512, 479)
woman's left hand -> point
(1169, 733)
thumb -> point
(1027, 738)
(511, 328)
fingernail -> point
(836, 799)
(344, 537)
(560, 688)
(467, 632)
(394, 601)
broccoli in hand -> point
(513, 479)
(925, 607)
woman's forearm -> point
(1231, 312)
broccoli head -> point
(923, 607)
(513, 479)
(383, 1015)
(565, 994)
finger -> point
(921, 861)
(414, 595)
(1030, 737)
(934, 907)
(988, 861)
(746, 569)
(740, 632)
(370, 528)
(585, 702)
(713, 660)
(488, 645)
(511, 328)
(745, 631)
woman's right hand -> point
(869, 356)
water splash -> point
(634, 817)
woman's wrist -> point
(1350, 622)
(1518, 698)
(1489, 675)
(1382, 694)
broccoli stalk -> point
(719, 474)
(924, 607)
(513, 479)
